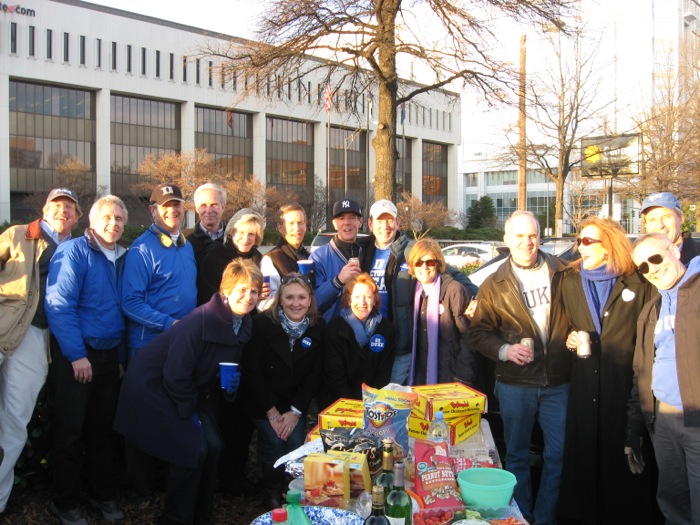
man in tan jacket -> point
(25, 252)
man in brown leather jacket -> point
(522, 299)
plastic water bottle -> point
(438, 430)
(295, 512)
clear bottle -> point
(279, 516)
(398, 508)
(377, 516)
(438, 430)
(295, 512)
(386, 476)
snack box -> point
(314, 433)
(344, 413)
(454, 399)
(360, 479)
(460, 427)
(326, 480)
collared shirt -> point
(218, 234)
(48, 229)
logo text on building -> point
(17, 9)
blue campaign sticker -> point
(306, 342)
(377, 343)
(404, 267)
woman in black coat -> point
(603, 295)
(281, 373)
(360, 344)
(163, 404)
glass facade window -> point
(49, 44)
(348, 150)
(114, 56)
(82, 50)
(32, 41)
(210, 73)
(98, 53)
(171, 76)
(502, 178)
(157, 64)
(402, 182)
(289, 157)
(128, 58)
(471, 180)
(13, 38)
(184, 69)
(143, 61)
(197, 64)
(49, 125)
(139, 127)
(66, 47)
(434, 172)
(506, 203)
(228, 136)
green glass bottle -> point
(386, 476)
(295, 512)
(377, 516)
(398, 508)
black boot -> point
(272, 479)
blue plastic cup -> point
(226, 371)
(266, 279)
(305, 266)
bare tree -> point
(585, 199)
(419, 217)
(365, 40)
(316, 216)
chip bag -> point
(435, 481)
(386, 415)
(353, 440)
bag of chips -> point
(353, 440)
(435, 481)
(386, 415)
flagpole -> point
(328, 168)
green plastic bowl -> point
(488, 488)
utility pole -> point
(522, 148)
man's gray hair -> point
(520, 213)
(659, 237)
(104, 201)
(210, 186)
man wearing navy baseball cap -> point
(661, 213)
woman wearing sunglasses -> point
(281, 371)
(603, 296)
(441, 349)
(360, 344)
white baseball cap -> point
(383, 206)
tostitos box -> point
(344, 413)
(460, 427)
(453, 399)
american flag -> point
(328, 97)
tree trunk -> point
(559, 207)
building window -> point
(66, 47)
(128, 58)
(114, 56)
(434, 172)
(348, 156)
(196, 71)
(228, 136)
(222, 75)
(157, 64)
(32, 38)
(172, 67)
(211, 73)
(49, 44)
(98, 53)
(184, 69)
(13, 38)
(82, 50)
(404, 172)
(143, 61)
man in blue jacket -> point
(82, 307)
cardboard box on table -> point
(460, 427)
(453, 399)
(344, 413)
(326, 480)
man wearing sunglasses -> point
(522, 300)
(665, 391)
(661, 213)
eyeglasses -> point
(430, 263)
(295, 278)
(586, 241)
(655, 259)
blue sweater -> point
(159, 285)
(82, 299)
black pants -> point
(82, 421)
(237, 431)
(190, 492)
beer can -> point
(354, 260)
(530, 343)
(584, 348)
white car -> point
(459, 255)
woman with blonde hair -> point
(442, 352)
(603, 296)
(360, 344)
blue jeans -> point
(271, 447)
(519, 408)
(402, 365)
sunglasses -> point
(431, 263)
(296, 278)
(586, 241)
(655, 259)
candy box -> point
(326, 480)
(360, 479)
(460, 427)
(453, 399)
(344, 413)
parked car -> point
(323, 238)
(459, 255)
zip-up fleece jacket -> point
(82, 298)
(502, 318)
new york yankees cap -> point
(346, 206)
